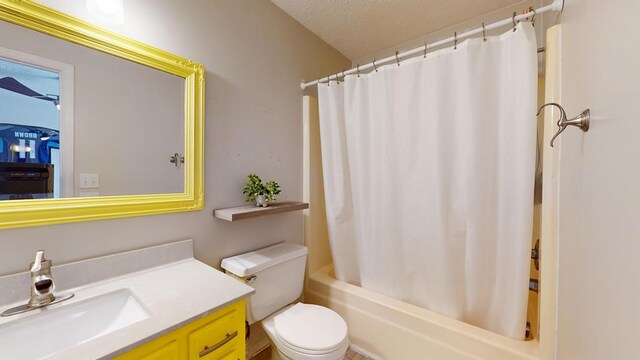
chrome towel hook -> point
(581, 121)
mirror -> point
(93, 125)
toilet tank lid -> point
(252, 262)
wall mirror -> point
(93, 125)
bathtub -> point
(386, 328)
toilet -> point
(297, 331)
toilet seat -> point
(310, 329)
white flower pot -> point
(261, 201)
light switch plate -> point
(89, 181)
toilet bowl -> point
(297, 331)
(307, 332)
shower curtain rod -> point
(556, 6)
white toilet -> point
(298, 331)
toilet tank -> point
(275, 272)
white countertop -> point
(174, 294)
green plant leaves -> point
(255, 187)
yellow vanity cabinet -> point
(217, 336)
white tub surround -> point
(173, 288)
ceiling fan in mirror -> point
(11, 84)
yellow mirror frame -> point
(22, 213)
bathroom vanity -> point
(157, 302)
(216, 336)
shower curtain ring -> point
(533, 17)
(397, 60)
(513, 19)
(358, 70)
(374, 65)
(338, 78)
(455, 40)
(484, 33)
(426, 47)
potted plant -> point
(261, 193)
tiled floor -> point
(354, 355)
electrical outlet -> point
(89, 181)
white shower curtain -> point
(429, 177)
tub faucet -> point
(42, 285)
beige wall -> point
(255, 57)
(598, 295)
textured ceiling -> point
(359, 28)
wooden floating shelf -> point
(252, 211)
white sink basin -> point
(46, 331)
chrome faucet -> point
(42, 287)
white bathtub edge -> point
(390, 328)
